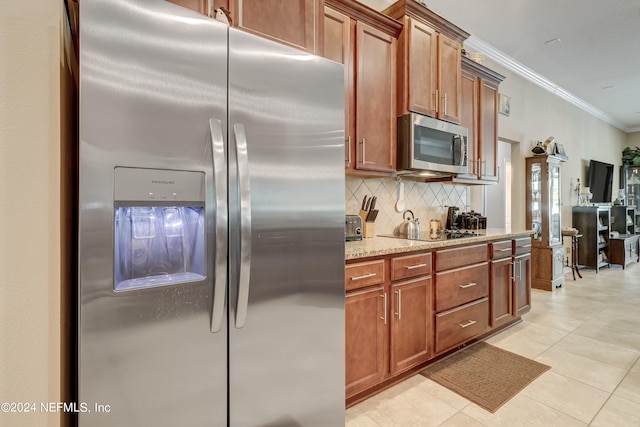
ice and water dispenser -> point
(159, 225)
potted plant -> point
(631, 156)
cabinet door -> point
(423, 72)
(410, 323)
(199, 6)
(449, 78)
(469, 117)
(338, 46)
(376, 99)
(292, 22)
(501, 292)
(488, 128)
(522, 284)
(366, 344)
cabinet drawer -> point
(501, 249)
(364, 274)
(522, 245)
(456, 287)
(410, 266)
(458, 257)
(456, 326)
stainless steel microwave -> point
(427, 146)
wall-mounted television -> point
(599, 181)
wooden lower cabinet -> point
(522, 284)
(454, 327)
(461, 295)
(366, 338)
(501, 292)
(404, 310)
(410, 323)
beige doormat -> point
(486, 375)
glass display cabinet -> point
(630, 183)
(544, 216)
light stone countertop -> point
(376, 246)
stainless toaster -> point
(352, 228)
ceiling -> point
(587, 52)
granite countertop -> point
(376, 246)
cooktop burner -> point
(457, 234)
(440, 235)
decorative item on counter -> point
(435, 228)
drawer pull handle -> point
(468, 285)
(469, 323)
(365, 276)
(399, 312)
(505, 250)
(525, 246)
(411, 267)
(384, 305)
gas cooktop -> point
(440, 235)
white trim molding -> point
(495, 55)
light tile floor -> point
(588, 332)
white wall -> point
(29, 208)
(537, 114)
(633, 140)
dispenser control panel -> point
(158, 185)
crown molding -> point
(512, 65)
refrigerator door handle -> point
(242, 160)
(221, 226)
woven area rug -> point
(486, 375)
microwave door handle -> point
(462, 150)
(453, 146)
(242, 163)
(221, 229)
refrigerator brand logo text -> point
(161, 181)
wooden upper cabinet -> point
(421, 82)
(449, 55)
(479, 114)
(469, 117)
(488, 129)
(365, 41)
(375, 99)
(339, 31)
(200, 6)
(297, 23)
(429, 55)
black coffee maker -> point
(452, 217)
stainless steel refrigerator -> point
(211, 224)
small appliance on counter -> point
(452, 217)
(410, 227)
(352, 228)
(471, 221)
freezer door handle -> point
(242, 159)
(221, 227)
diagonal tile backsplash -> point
(426, 200)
